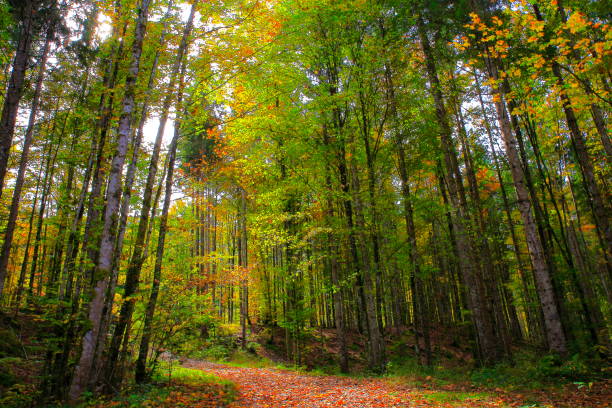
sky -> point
(150, 131)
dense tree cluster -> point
(363, 165)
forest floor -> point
(275, 388)
(258, 379)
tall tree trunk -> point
(365, 128)
(490, 274)
(339, 318)
(91, 235)
(243, 263)
(104, 265)
(376, 344)
(552, 318)
(26, 251)
(489, 345)
(48, 181)
(532, 319)
(141, 372)
(133, 273)
(15, 87)
(421, 318)
(597, 200)
(27, 142)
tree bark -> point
(332, 249)
(532, 319)
(376, 344)
(552, 318)
(597, 200)
(26, 251)
(27, 142)
(137, 260)
(141, 373)
(489, 345)
(49, 170)
(104, 265)
(15, 88)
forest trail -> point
(275, 388)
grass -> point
(240, 358)
(453, 397)
(174, 386)
(528, 378)
(525, 372)
(245, 359)
(465, 399)
(176, 374)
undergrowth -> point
(526, 371)
(173, 386)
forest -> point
(305, 203)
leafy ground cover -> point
(259, 377)
(175, 387)
(265, 378)
(272, 387)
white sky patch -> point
(150, 131)
(152, 123)
(104, 27)
(185, 9)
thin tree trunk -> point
(489, 345)
(243, 263)
(376, 345)
(365, 130)
(493, 301)
(104, 265)
(339, 317)
(552, 318)
(15, 88)
(27, 142)
(420, 318)
(137, 260)
(26, 252)
(147, 332)
(49, 170)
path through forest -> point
(274, 388)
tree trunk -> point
(26, 251)
(489, 345)
(15, 87)
(376, 344)
(133, 273)
(552, 318)
(104, 265)
(27, 142)
(420, 317)
(48, 180)
(493, 302)
(243, 263)
(339, 318)
(147, 331)
(532, 319)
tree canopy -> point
(170, 169)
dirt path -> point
(273, 388)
